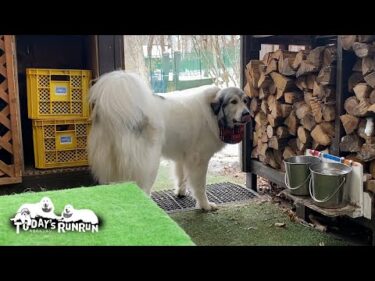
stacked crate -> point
(59, 109)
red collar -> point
(232, 135)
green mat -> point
(128, 217)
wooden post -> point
(110, 53)
(10, 141)
(345, 61)
(250, 48)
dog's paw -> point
(210, 206)
(181, 192)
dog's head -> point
(68, 211)
(25, 212)
(46, 205)
(231, 107)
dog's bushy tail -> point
(124, 141)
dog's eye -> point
(234, 102)
(245, 101)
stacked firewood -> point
(358, 121)
(292, 103)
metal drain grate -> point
(218, 193)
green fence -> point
(196, 64)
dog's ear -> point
(216, 104)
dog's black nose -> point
(245, 113)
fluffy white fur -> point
(44, 209)
(132, 129)
(23, 216)
(70, 214)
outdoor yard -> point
(262, 222)
(224, 167)
(254, 224)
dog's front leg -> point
(180, 180)
(197, 181)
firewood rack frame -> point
(250, 49)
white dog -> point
(23, 216)
(44, 209)
(132, 129)
(70, 214)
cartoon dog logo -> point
(23, 216)
(44, 209)
(70, 214)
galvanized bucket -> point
(327, 184)
(297, 173)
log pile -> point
(358, 120)
(292, 103)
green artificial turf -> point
(128, 217)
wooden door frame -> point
(11, 141)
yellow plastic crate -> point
(60, 143)
(57, 93)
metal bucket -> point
(327, 184)
(297, 173)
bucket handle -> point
(328, 197)
(286, 180)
